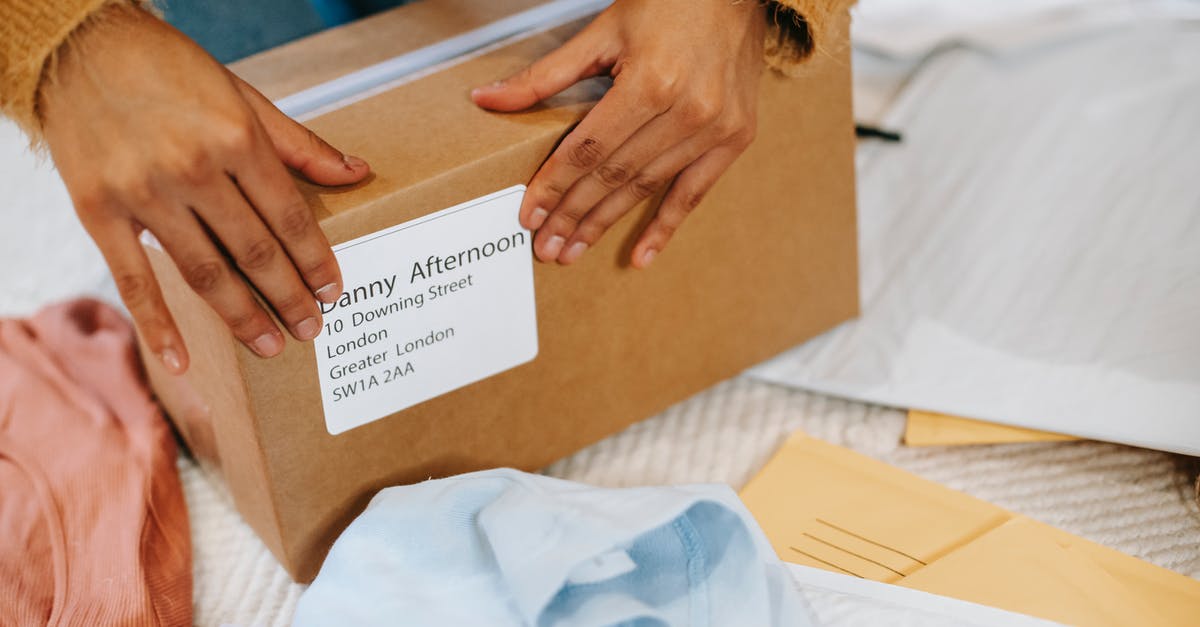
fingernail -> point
(574, 252)
(327, 293)
(487, 88)
(267, 345)
(553, 247)
(308, 328)
(537, 218)
(353, 163)
(648, 256)
(170, 359)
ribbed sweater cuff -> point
(800, 28)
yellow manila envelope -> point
(826, 506)
(1018, 565)
(930, 429)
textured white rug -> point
(1130, 499)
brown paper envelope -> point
(822, 505)
(1175, 598)
(1019, 567)
(931, 429)
(827, 506)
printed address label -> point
(429, 306)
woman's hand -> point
(681, 108)
(150, 133)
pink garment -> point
(93, 525)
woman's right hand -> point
(149, 132)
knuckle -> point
(315, 148)
(743, 138)
(570, 214)
(523, 77)
(192, 168)
(135, 190)
(203, 277)
(552, 191)
(237, 135)
(320, 272)
(591, 231)
(294, 305)
(91, 203)
(643, 187)
(689, 201)
(244, 324)
(295, 220)
(153, 326)
(532, 78)
(738, 128)
(702, 111)
(660, 90)
(728, 127)
(136, 290)
(585, 153)
(314, 141)
(258, 255)
(612, 174)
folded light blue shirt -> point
(503, 547)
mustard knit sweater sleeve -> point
(800, 28)
(32, 30)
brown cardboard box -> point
(767, 261)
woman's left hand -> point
(680, 111)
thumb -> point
(574, 61)
(301, 149)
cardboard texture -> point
(826, 506)
(932, 429)
(766, 261)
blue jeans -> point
(230, 30)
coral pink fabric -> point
(93, 525)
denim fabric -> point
(503, 547)
(232, 29)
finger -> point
(591, 144)
(207, 272)
(581, 57)
(300, 148)
(272, 193)
(118, 242)
(651, 180)
(636, 170)
(259, 255)
(683, 196)
(624, 110)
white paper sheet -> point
(842, 601)
(1031, 253)
(915, 28)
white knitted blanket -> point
(1130, 499)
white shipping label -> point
(429, 306)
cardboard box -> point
(766, 261)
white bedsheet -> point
(839, 599)
(911, 29)
(1031, 253)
